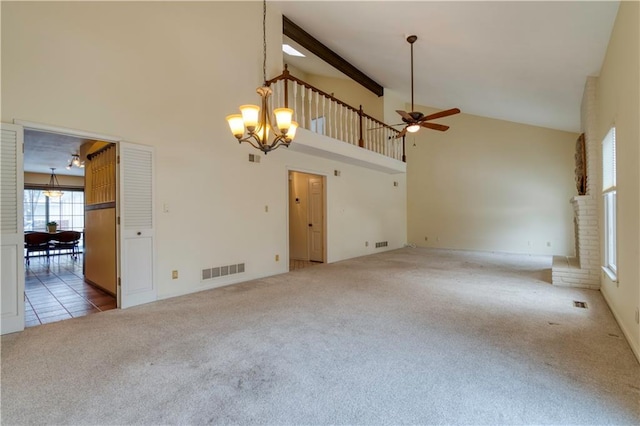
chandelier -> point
(53, 189)
(75, 161)
(254, 123)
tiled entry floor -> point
(56, 291)
(300, 264)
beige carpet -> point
(411, 336)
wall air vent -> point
(580, 304)
(382, 244)
(221, 271)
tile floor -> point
(56, 291)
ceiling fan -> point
(414, 119)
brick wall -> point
(583, 270)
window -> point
(609, 195)
(67, 211)
(317, 125)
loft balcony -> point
(330, 128)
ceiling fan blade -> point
(440, 114)
(435, 126)
(405, 115)
(401, 134)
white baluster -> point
(309, 109)
(332, 113)
(340, 111)
(302, 94)
(316, 111)
(352, 126)
(295, 103)
(324, 114)
(335, 120)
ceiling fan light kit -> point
(415, 120)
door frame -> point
(30, 125)
(325, 190)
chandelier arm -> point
(279, 140)
(249, 139)
(266, 113)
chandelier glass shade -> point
(53, 188)
(254, 123)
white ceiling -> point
(43, 150)
(520, 61)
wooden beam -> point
(307, 41)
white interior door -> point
(316, 219)
(12, 229)
(136, 225)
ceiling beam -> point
(307, 41)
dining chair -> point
(66, 240)
(36, 242)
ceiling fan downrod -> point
(412, 39)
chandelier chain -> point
(264, 41)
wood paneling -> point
(100, 176)
(100, 248)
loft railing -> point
(322, 113)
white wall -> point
(165, 74)
(43, 179)
(618, 103)
(351, 93)
(491, 185)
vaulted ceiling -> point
(520, 61)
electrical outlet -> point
(426, 238)
(637, 316)
(277, 258)
(366, 243)
(548, 243)
(174, 274)
(266, 209)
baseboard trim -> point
(634, 348)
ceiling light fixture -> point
(53, 189)
(292, 51)
(255, 120)
(75, 161)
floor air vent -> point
(220, 271)
(580, 304)
(382, 244)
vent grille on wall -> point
(382, 244)
(221, 271)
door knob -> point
(139, 233)
(310, 225)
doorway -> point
(59, 280)
(307, 219)
(135, 234)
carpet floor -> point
(410, 336)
